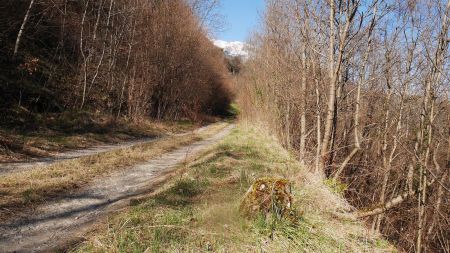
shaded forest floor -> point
(198, 211)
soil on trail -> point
(62, 221)
(14, 167)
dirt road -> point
(14, 167)
(62, 221)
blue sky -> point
(241, 17)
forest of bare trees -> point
(359, 90)
(134, 58)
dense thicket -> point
(359, 89)
(133, 58)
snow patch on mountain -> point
(234, 48)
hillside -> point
(132, 60)
(359, 91)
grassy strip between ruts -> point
(198, 211)
(26, 189)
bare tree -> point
(335, 64)
(361, 81)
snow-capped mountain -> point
(234, 48)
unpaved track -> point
(14, 167)
(62, 221)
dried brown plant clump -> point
(268, 195)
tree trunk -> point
(303, 106)
(334, 72)
(331, 91)
(85, 59)
(362, 79)
(22, 28)
(390, 204)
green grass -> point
(199, 210)
(234, 110)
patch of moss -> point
(336, 186)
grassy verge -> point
(198, 212)
(35, 135)
(28, 188)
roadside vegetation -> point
(198, 210)
(22, 190)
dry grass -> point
(32, 187)
(42, 137)
(199, 211)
